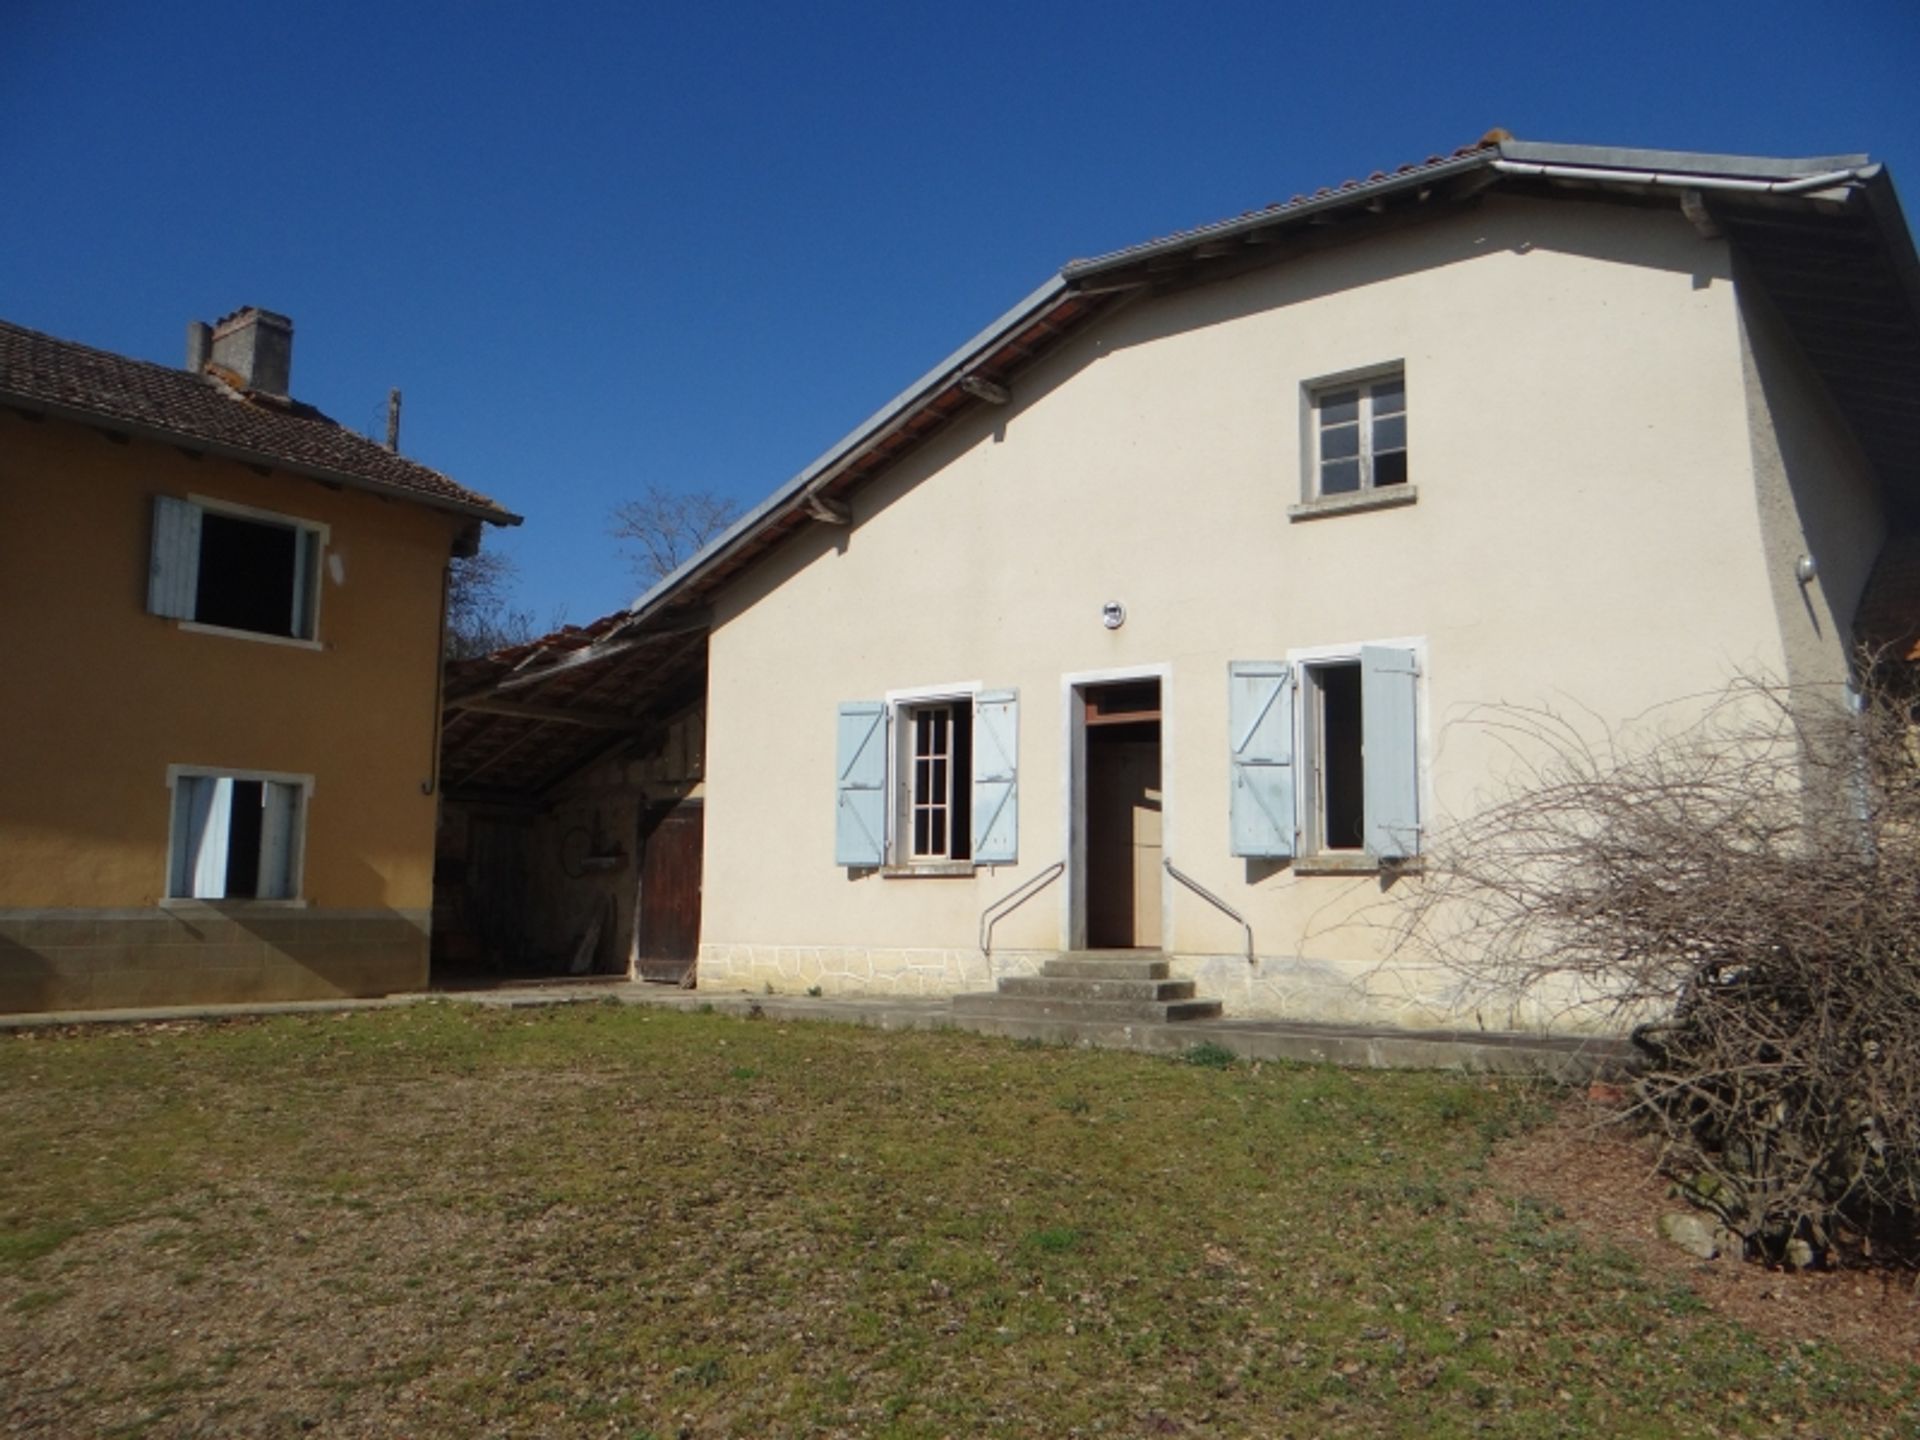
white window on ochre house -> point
(1360, 435)
(235, 569)
(236, 835)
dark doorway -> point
(1123, 815)
(669, 909)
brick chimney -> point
(257, 346)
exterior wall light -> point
(1113, 614)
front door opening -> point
(1123, 815)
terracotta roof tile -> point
(42, 369)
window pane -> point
(920, 832)
(1339, 477)
(1390, 396)
(1338, 407)
(1390, 469)
(1390, 433)
(936, 833)
(1340, 443)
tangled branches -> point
(1744, 889)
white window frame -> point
(901, 704)
(323, 533)
(297, 842)
(1312, 393)
(1309, 821)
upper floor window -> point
(232, 568)
(1360, 435)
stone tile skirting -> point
(205, 954)
(1274, 987)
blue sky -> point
(695, 244)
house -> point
(1154, 619)
(222, 613)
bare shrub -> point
(1744, 890)
(663, 529)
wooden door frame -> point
(1073, 806)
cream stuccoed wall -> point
(1587, 532)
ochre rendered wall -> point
(106, 697)
(1587, 533)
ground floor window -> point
(939, 771)
(236, 835)
(1327, 756)
(1336, 809)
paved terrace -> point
(1567, 1058)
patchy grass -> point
(612, 1222)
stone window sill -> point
(1388, 499)
(191, 903)
(937, 870)
(1354, 865)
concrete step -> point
(1069, 987)
(1041, 1008)
(1077, 966)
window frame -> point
(323, 535)
(1368, 496)
(297, 842)
(1312, 855)
(901, 706)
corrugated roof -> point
(44, 373)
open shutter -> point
(279, 820)
(860, 818)
(202, 821)
(1260, 717)
(1389, 713)
(996, 785)
(174, 571)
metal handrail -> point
(1009, 903)
(1212, 899)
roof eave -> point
(79, 414)
(870, 430)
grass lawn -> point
(440, 1221)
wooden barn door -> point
(669, 938)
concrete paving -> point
(1570, 1059)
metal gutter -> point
(1681, 180)
(100, 420)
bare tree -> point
(663, 529)
(481, 617)
(1746, 891)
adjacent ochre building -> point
(222, 618)
(1168, 602)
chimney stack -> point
(199, 345)
(257, 346)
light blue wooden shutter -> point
(1260, 717)
(860, 819)
(996, 782)
(1389, 728)
(173, 574)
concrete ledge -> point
(1570, 1060)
